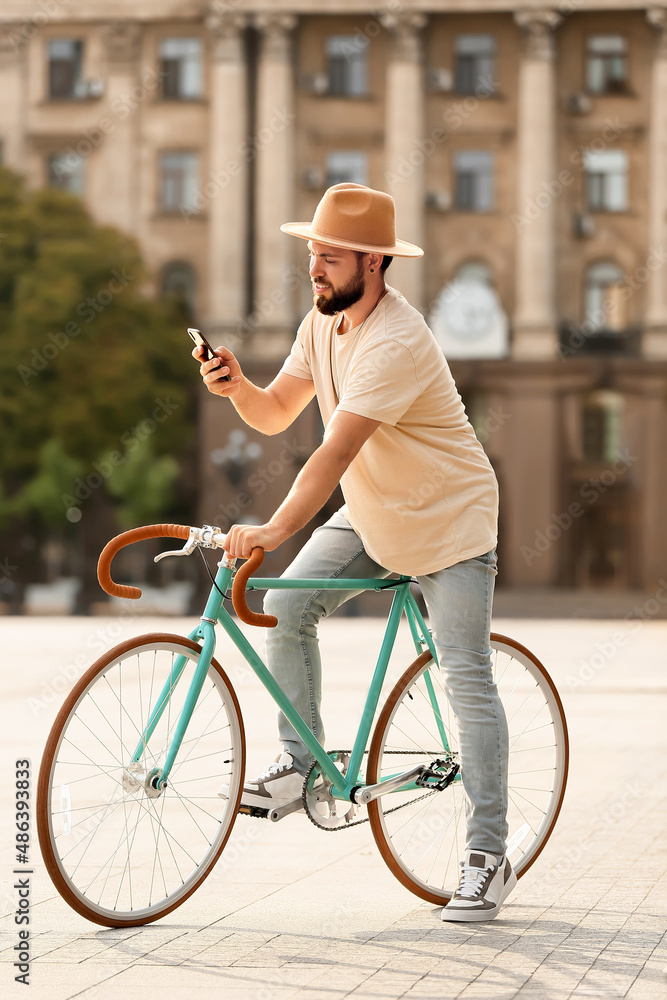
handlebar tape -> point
(238, 593)
(127, 538)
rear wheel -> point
(119, 850)
(421, 833)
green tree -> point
(94, 375)
(144, 485)
(43, 492)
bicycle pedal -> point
(438, 775)
(254, 811)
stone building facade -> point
(524, 145)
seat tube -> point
(421, 635)
(377, 681)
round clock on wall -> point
(468, 321)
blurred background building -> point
(526, 149)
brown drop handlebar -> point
(127, 538)
(179, 531)
(238, 593)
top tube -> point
(338, 583)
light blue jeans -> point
(459, 601)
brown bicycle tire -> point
(44, 779)
(374, 760)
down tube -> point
(281, 700)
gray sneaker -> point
(278, 784)
(483, 887)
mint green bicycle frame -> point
(343, 786)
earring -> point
(372, 269)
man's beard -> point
(342, 298)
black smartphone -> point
(199, 340)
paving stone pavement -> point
(290, 911)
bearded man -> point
(394, 422)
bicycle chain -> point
(366, 819)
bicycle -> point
(128, 814)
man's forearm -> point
(344, 437)
(310, 491)
(259, 408)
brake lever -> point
(187, 550)
(205, 536)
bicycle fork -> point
(155, 781)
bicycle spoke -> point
(424, 843)
(119, 846)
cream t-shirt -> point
(421, 492)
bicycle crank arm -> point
(273, 814)
(289, 807)
(369, 792)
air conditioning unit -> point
(439, 201)
(578, 104)
(86, 89)
(439, 81)
(316, 83)
(96, 87)
(583, 225)
(313, 178)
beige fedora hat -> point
(356, 218)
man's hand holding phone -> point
(220, 376)
(220, 370)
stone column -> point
(405, 149)
(530, 505)
(535, 334)
(14, 39)
(275, 180)
(113, 186)
(655, 328)
(652, 476)
(228, 164)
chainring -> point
(321, 807)
(311, 789)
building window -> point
(603, 302)
(65, 61)
(475, 64)
(606, 180)
(481, 416)
(181, 64)
(177, 285)
(606, 64)
(347, 65)
(347, 166)
(601, 426)
(65, 171)
(474, 181)
(178, 181)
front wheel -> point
(119, 850)
(420, 833)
